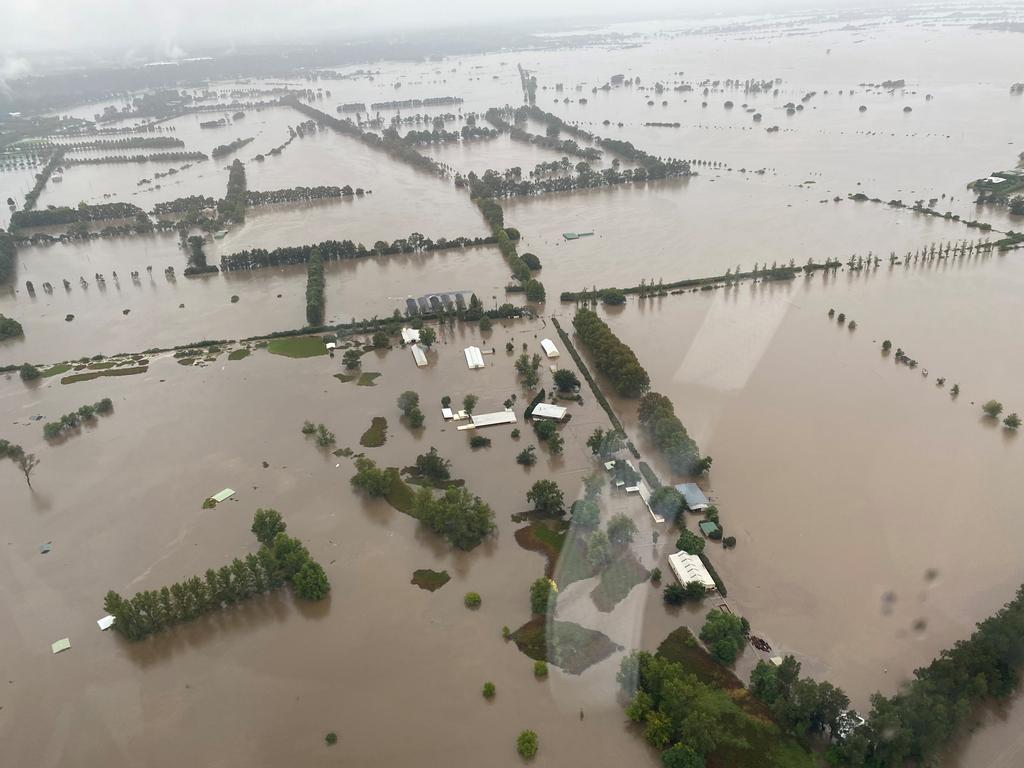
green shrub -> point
(29, 372)
(526, 744)
(331, 738)
(472, 600)
(489, 690)
(656, 576)
(479, 441)
(992, 408)
(690, 543)
(540, 669)
(526, 456)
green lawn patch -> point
(376, 435)
(545, 537)
(682, 647)
(430, 580)
(298, 346)
(366, 379)
(344, 378)
(56, 370)
(566, 645)
(413, 477)
(617, 580)
(75, 377)
(101, 366)
(400, 495)
(239, 354)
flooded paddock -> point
(875, 514)
(848, 479)
(141, 527)
(269, 299)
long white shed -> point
(549, 347)
(689, 568)
(474, 357)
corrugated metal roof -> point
(474, 358)
(689, 568)
(693, 495)
(549, 411)
(490, 419)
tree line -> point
(315, 289)
(927, 714)
(566, 146)
(129, 142)
(299, 194)
(183, 204)
(390, 141)
(510, 182)
(56, 216)
(280, 560)
(73, 420)
(340, 250)
(156, 157)
(506, 238)
(658, 419)
(438, 101)
(232, 207)
(226, 149)
(8, 252)
(41, 178)
(611, 356)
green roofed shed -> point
(708, 527)
(227, 493)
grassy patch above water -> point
(682, 647)
(298, 346)
(366, 379)
(101, 366)
(400, 494)
(566, 645)
(546, 537)
(239, 354)
(344, 378)
(617, 580)
(430, 580)
(376, 435)
(75, 377)
(56, 370)
(562, 546)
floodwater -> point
(876, 516)
(844, 477)
(269, 299)
(420, 656)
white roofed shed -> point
(689, 568)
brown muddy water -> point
(269, 299)
(875, 516)
(287, 672)
(846, 478)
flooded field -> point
(143, 528)
(875, 514)
(843, 476)
(269, 299)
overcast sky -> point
(173, 26)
